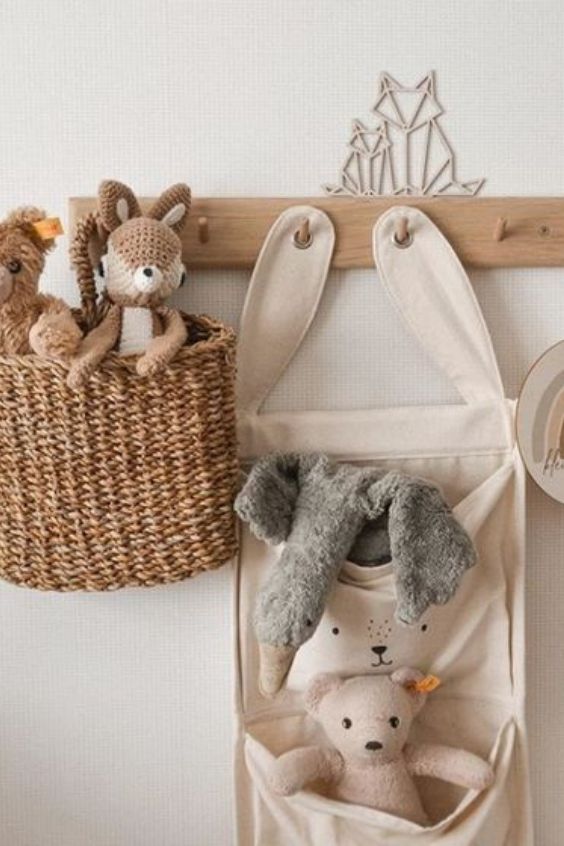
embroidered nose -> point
(379, 650)
(148, 271)
(373, 745)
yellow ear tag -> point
(426, 685)
(48, 228)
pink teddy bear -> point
(367, 719)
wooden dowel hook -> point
(500, 229)
(203, 230)
(303, 236)
(402, 232)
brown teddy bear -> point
(30, 321)
(367, 719)
(141, 267)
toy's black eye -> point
(308, 622)
(14, 266)
(101, 269)
(424, 627)
(394, 722)
(183, 279)
(347, 723)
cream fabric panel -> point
(476, 642)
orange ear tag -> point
(426, 685)
(48, 228)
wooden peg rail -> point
(228, 233)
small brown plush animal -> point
(30, 321)
(141, 268)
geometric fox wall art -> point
(405, 152)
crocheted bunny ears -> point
(118, 206)
(117, 203)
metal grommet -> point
(302, 245)
(407, 242)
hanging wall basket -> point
(129, 481)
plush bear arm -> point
(299, 767)
(55, 333)
(163, 348)
(454, 765)
(94, 347)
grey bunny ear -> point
(430, 549)
(268, 497)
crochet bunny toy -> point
(141, 268)
(30, 321)
(324, 513)
(367, 719)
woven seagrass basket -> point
(129, 481)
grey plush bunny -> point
(327, 512)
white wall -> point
(115, 710)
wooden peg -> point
(401, 234)
(500, 228)
(203, 230)
(303, 236)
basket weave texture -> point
(129, 481)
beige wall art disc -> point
(540, 421)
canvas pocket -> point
(467, 818)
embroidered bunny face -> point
(143, 263)
(358, 635)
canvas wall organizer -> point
(475, 641)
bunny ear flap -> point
(173, 206)
(268, 497)
(116, 204)
(430, 550)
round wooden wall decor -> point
(540, 421)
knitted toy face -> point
(143, 263)
(22, 257)
(366, 718)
